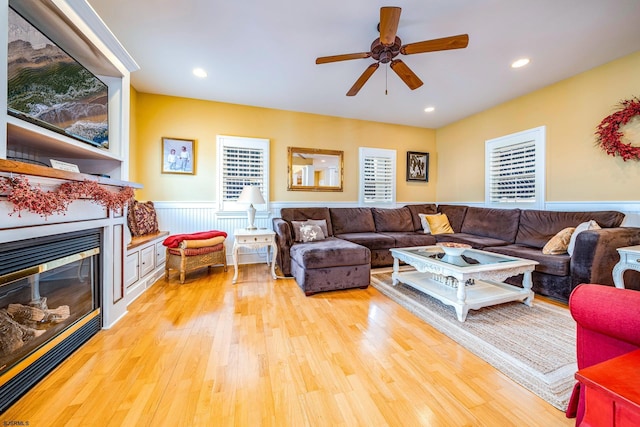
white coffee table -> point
(444, 277)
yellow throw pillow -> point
(201, 243)
(425, 224)
(439, 224)
(559, 243)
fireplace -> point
(49, 305)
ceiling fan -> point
(385, 48)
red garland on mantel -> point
(46, 203)
(610, 136)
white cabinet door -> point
(131, 273)
(161, 254)
(147, 260)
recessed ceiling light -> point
(199, 72)
(520, 63)
(429, 109)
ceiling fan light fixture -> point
(520, 63)
(429, 109)
(199, 72)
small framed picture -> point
(179, 156)
(417, 166)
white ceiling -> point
(262, 53)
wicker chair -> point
(189, 259)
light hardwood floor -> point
(260, 353)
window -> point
(514, 166)
(377, 177)
(241, 162)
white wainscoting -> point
(189, 217)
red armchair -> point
(608, 325)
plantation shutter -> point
(513, 173)
(378, 177)
(241, 162)
(241, 167)
(515, 170)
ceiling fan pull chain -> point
(386, 78)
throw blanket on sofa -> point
(173, 241)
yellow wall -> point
(158, 116)
(577, 170)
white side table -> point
(629, 260)
(254, 239)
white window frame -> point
(368, 153)
(535, 138)
(223, 141)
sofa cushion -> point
(500, 224)
(557, 265)
(477, 242)
(330, 252)
(303, 214)
(370, 240)
(411, 238)
(398, 219)
(352, 220)
(537, 227)
(426, 208)
(455, 213)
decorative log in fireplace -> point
(49, 305)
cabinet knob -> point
(255, 239)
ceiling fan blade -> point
(345, 57)
(389, 18)
(454, 42)
(405, 73)
(363, 79)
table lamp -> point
(251, 194)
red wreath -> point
(610, 136)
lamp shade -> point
(251, 194)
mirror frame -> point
(292, 151)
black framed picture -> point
(417, 166)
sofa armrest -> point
(596, 253)
(284, 240)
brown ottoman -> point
(330, 264)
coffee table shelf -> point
(485, 276)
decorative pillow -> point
(439, 224)
(142, 218)
(322, 223)
(297, 236)
(425, 223)
(311, 233)
(559, 243)
(588, 225)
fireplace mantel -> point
(12, 166)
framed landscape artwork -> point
(178, 156)
(417, 166)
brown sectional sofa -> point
(360, 238)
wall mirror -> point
(312, 169)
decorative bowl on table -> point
(452, 248)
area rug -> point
(534, 346)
